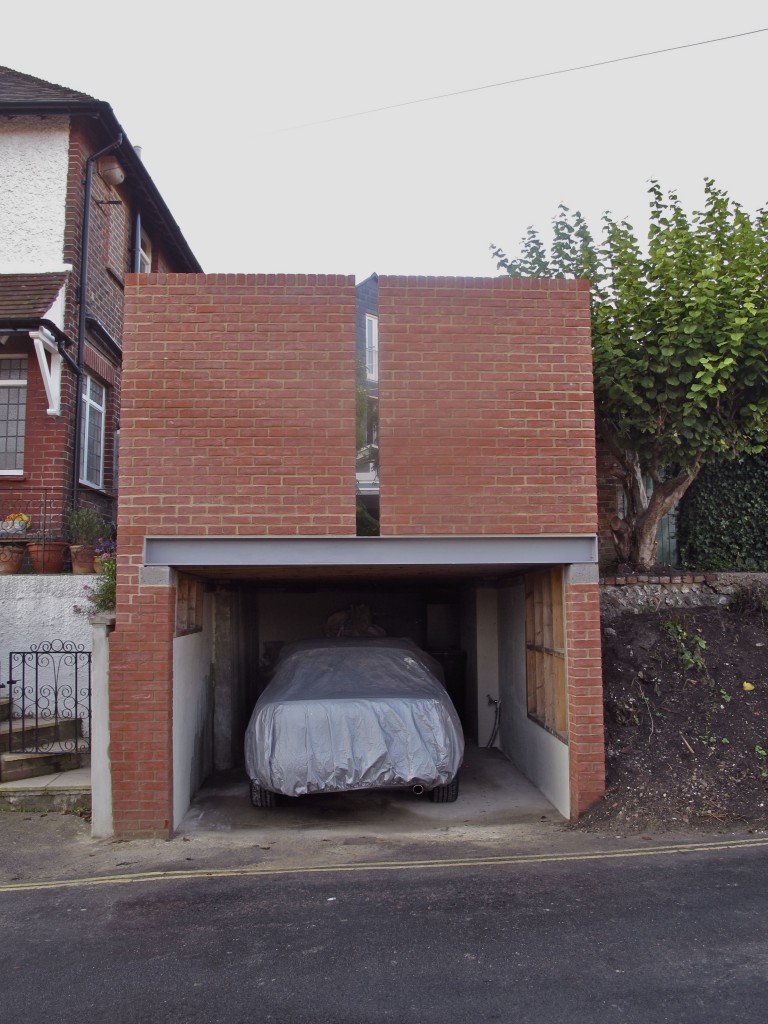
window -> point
(145, 254)
(13, 407)
(371, 347)
(92, 440)
(545, 650)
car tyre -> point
(261, 797)
(445, 794)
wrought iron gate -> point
(50, 698)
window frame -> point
(89, 406)
(17, 383)
(145, 253)
(545, 644)
(371, 347)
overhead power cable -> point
(524, 78)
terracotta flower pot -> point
(11, 557)
(47, 556)
(82, 558)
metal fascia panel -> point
(369, 551)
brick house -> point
(239, 532)
(78, 211)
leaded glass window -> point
(13, 409)
(92, 441)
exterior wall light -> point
(111, 171)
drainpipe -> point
(83, 308)
(136, 250)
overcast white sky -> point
(211, 91)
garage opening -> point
(499, 632)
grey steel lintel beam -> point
(369, 551)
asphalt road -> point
(618, 936)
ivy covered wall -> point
(723, 519)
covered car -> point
(352, 714)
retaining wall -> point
(36, 608)
(641, 593)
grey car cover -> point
(353, 714)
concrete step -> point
(60, 791)
(28, 766)
(45, 733)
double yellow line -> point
(265, 871)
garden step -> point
(28, 766)
(47, 732)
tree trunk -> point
(622, 538)
(634, 535)
(645, 542)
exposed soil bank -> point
(686, 717)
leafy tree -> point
(680, 344)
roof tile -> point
(28, 296)
(18, 88)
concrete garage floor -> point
(493, 796)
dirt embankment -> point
(686, 717)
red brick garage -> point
(237, 436)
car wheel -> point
(261, 797)
(445, 794)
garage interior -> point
(473, 618)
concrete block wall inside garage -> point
(486, 435)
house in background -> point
(78, 211)
(367, 356)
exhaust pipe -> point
(418, 790)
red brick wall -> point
(585, 696)
(113, 215)
(73, 224)
(44, 488)
(238, 405)
(486, 406)
(50, 446)
(238, 419)
(49, 454)
(140, 710)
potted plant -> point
(11, 557)
(47, 556)
(85, 527)
(105, 549)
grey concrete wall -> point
(487, 653)
(289, 617)
(101, 763)
(235, 672)
(192, 712)
(469, 644)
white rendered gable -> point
(34, 162)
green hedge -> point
(723, 518)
